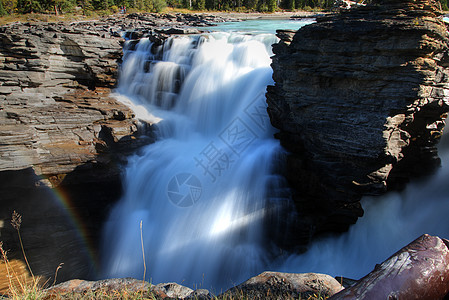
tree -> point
(159, 5)
(106, 4)
(9, 5)
(200, 4)
(2, 9)
(28, 6)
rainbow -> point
(64, 200)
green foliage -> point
(200, 4)
(28, 6)
(272, 5)
(159, 5)
(2, 9)
(64, 5)
(9, 5)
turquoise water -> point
(261, 25)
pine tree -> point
(200, 4)
(2, 9)
(272, 5)
(159, 5)
(28, 6)
(9, 5)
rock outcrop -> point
(360, 100)
(268, 285)
(277, 285)
(129, 286)
(63, 138)
(418, 271)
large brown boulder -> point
(418, 271)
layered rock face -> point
(61, 140)
(360, 99)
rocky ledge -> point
(360, 100)
(63, 138)
(417, 271)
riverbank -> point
(50, 18)
(269, 16)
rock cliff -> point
(360, 100)
(63, 138)
(59, 132)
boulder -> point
(108, 285)
(123, 286)
(418, 271)
(173, 290)
(276, 285)
(360, 101)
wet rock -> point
(178, 31)
(276, 285)
(418, 271)
(360, 100)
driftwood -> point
(418, 271)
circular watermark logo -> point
(184, 189)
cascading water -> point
(390, 222)
(200, 190)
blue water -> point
(208, 232)
(261, 25)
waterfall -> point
(200, 191)
(206, 192)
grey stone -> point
(277, 285)
(359, 99)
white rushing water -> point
(390, 222)
(200, 190)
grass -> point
(34, 18)
(19, 282)
(21, 285)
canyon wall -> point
(360, 100)
(62, 140)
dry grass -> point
(18, 274)
(34, 18)
(18, 282)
